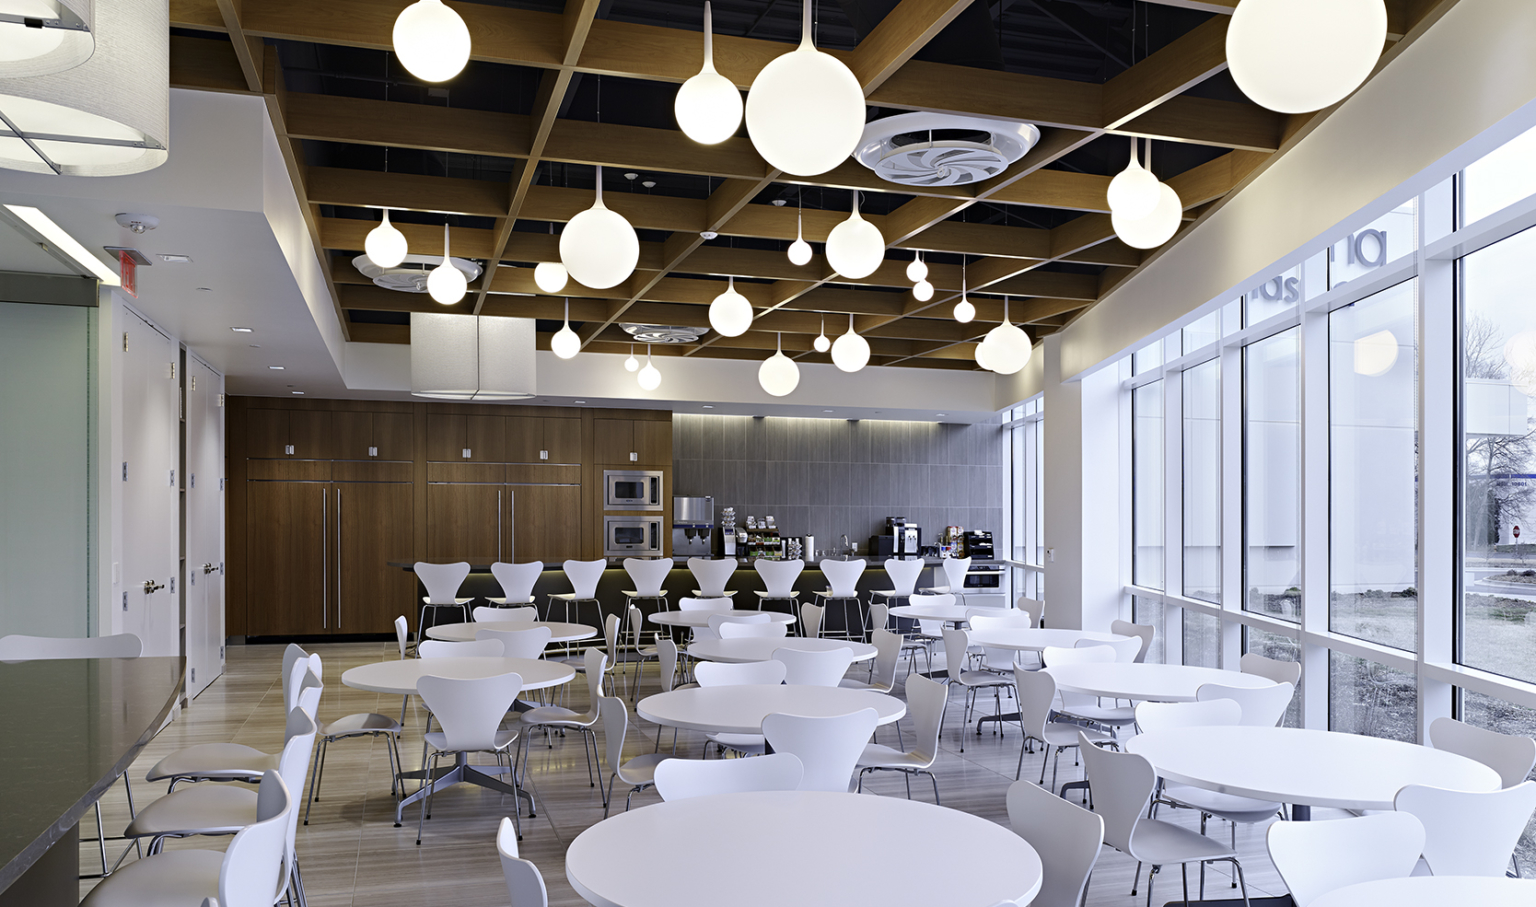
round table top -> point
(1148, 682)
(560, 632)
(399, 677)
(951, 613)
(1433, 891)
(771, 855)
(741, 709)
(701, 618)
(1022, 639)
(1306, 767)
(761, 648)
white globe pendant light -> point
(1156, 228)
(650, 378)
(1296, 56)
(565, 343)
(599, 247)
(917, 271)
(981, 354)
(821, 344)
(431, 41)
(446, 283)
(922, 291)
(550, 276)
(631, 364)
(805, 110)
(799, 250)
(1133, 193)
(850, 352)
(855, 247)
(1008, 347)
(778, 375)
(730, 314)
(965, 312)
(384, 245)
(708, 106)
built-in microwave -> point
(631, 489)
(632, 536)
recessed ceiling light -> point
(578, 401)
(176, 258)
(205, 289)
(278, 368)
(826, 410)
(65, 243)
(255, 346)
(941, 414)
(707, 406)
(241, 330)
(297, 392)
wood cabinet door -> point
(562, 438)
(464, 522)
(524, 439)
(613, 440)
(486, 441)
(287, 590)
(310, 435)
(351, 435)
(546, 523)
(653, 441)
(394, 436)
(266, 433)
(373, 525)
(447, 436)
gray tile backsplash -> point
(826, 477)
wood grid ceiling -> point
(507, 151)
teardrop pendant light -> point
(1156, 228)
(805, 111)
(917, 271)
(821, 344)
(599, 247)
(565, 343)
(385, 245)
(650, 378)
(1133, 193)
(778, 375)
(855, 247)
(446, 284)
(1296, 56)
(631, 364)
(708, 106)
(922, 291)
(799, 250)
(965, 311)
(1007, 346)
(550, 276)
(730, 314)
(850, 352)
(431, 41)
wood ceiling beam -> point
(903, 32)
(206, 65)
(1401, 14)
(1187, 61)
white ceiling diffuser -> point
(940, 149)
(411, 275)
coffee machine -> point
(901, 538)
(693, 527)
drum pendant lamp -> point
(63, 40)
(805, 110)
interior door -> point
(373, 524)
(151, 429)
(205, 526)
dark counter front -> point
(71, 728)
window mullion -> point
(1313, 536)
(1437, 453)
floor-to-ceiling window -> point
(1025, 432)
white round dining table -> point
(1306, 767)
(1147, 682)
(953, 614)
(559, 632)
(399, 677)
(701, 618)
(803, 848)
(761, 648)
(741, 709)
(1433, 891)
(1034, 639)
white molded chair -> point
(956, 642)
(778, 581)
(1122, 787)
(584, 722)
(666, 661)
(529, 643)
(955, 569)
(814, 669)
(829, 747)
(525, 884)
(1469, 834)
(1276, 670)
(1262, 707)
(18, 647)
(735, 629)
(583, 577)
(925, 702)
(703, 604)
(642, 653)
(356, 726)
(1080, 706)
(479, 648)
(930, 632)
(716, 621)
(1142, 632)
(470, 712)
(1034, 607)
(720, 674)
(516, 581)
(647, 575)
(712, 575)
(1315, 858)
(679, 779)
(1511, 755)
(887, 657)
(903, 573)
(1036, 692)
(250, 872)
(810, 620)
(639, 772)
(1066, 836)
(843, 578)
(442, 582)
(485, 613)
(999, 661)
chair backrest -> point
(810, 620)
(955, 569)
(615, 717)
(904, 573)
(887, 656)
(955, 644)
(666, 660)
(1274, 669)
(732, 629)
(925, 703)
(1125, 649)
(1098, 653)
(1142, 632)
(1317, 857)
(303, 685)
(721, 674)
(293, 765)
(516, 580)
(611, 636)
(829, 746)
(486, 613)
(679, 779)
(647, 574)
(843, 577)
(402, 634)
(469, 710)
(292, 653)
(256, 862)
(879, 615)
(634, 618)
(527, 643)
(703, 604)
(583, 576)
(1122, 786)
(1262, 707)
(594, 662)
(1511, 755)
(712, 575)
(38, 648)
(779, 576)
(1034, 607)
(1066, 836)
(1164, 716)
(442, 581)
(1469, 834)
(525, 884)
(716, 621)
(1036, 691)
(814, 669)
(440, 648)
(931, 599)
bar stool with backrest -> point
(778, 581)
(712, 575)
(442, 582)
(647, 575)
(843, 578)
(517, 581)
(583, 577)
(955, 569)
(487, 614)
(903, 573)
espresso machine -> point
(902, 538)
(693, 527)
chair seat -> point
(569, 597)
(361, 723)
(176, 878)
(889, 593)
(556, 716)
(936, 590)
(1120, 716)
(511, 601)
(1225, 806)
(504, 739)
(761, 594)
(753, 744)
(1066, 734)
(984, 679)
(202, 809)
(631, 593)
(642, 769)
(849, 684)
(726, 594)
(828, 593)
(427, 600)
(1161, 843)
(877, 755)
(225, 761)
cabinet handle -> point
(498, 524)
(325, 563)
(372, 452)
(633, 456)
(288, 449)
(543, 455)
(338, 558)
(466, 453)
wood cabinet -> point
(373, 524)
(273, 433)
(466, 521)
(372, 436)
(286, 557)
(631, 441)
(653, 443)
(533, 439)
(465, 439)
(545, 521)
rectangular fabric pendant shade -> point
(469, 357)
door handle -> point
(208, 568)
(498, 524)
(325, 562)
(338, 558)
(152, 586)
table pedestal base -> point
(1283, 901)
(464, 773)
(1301, 813)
